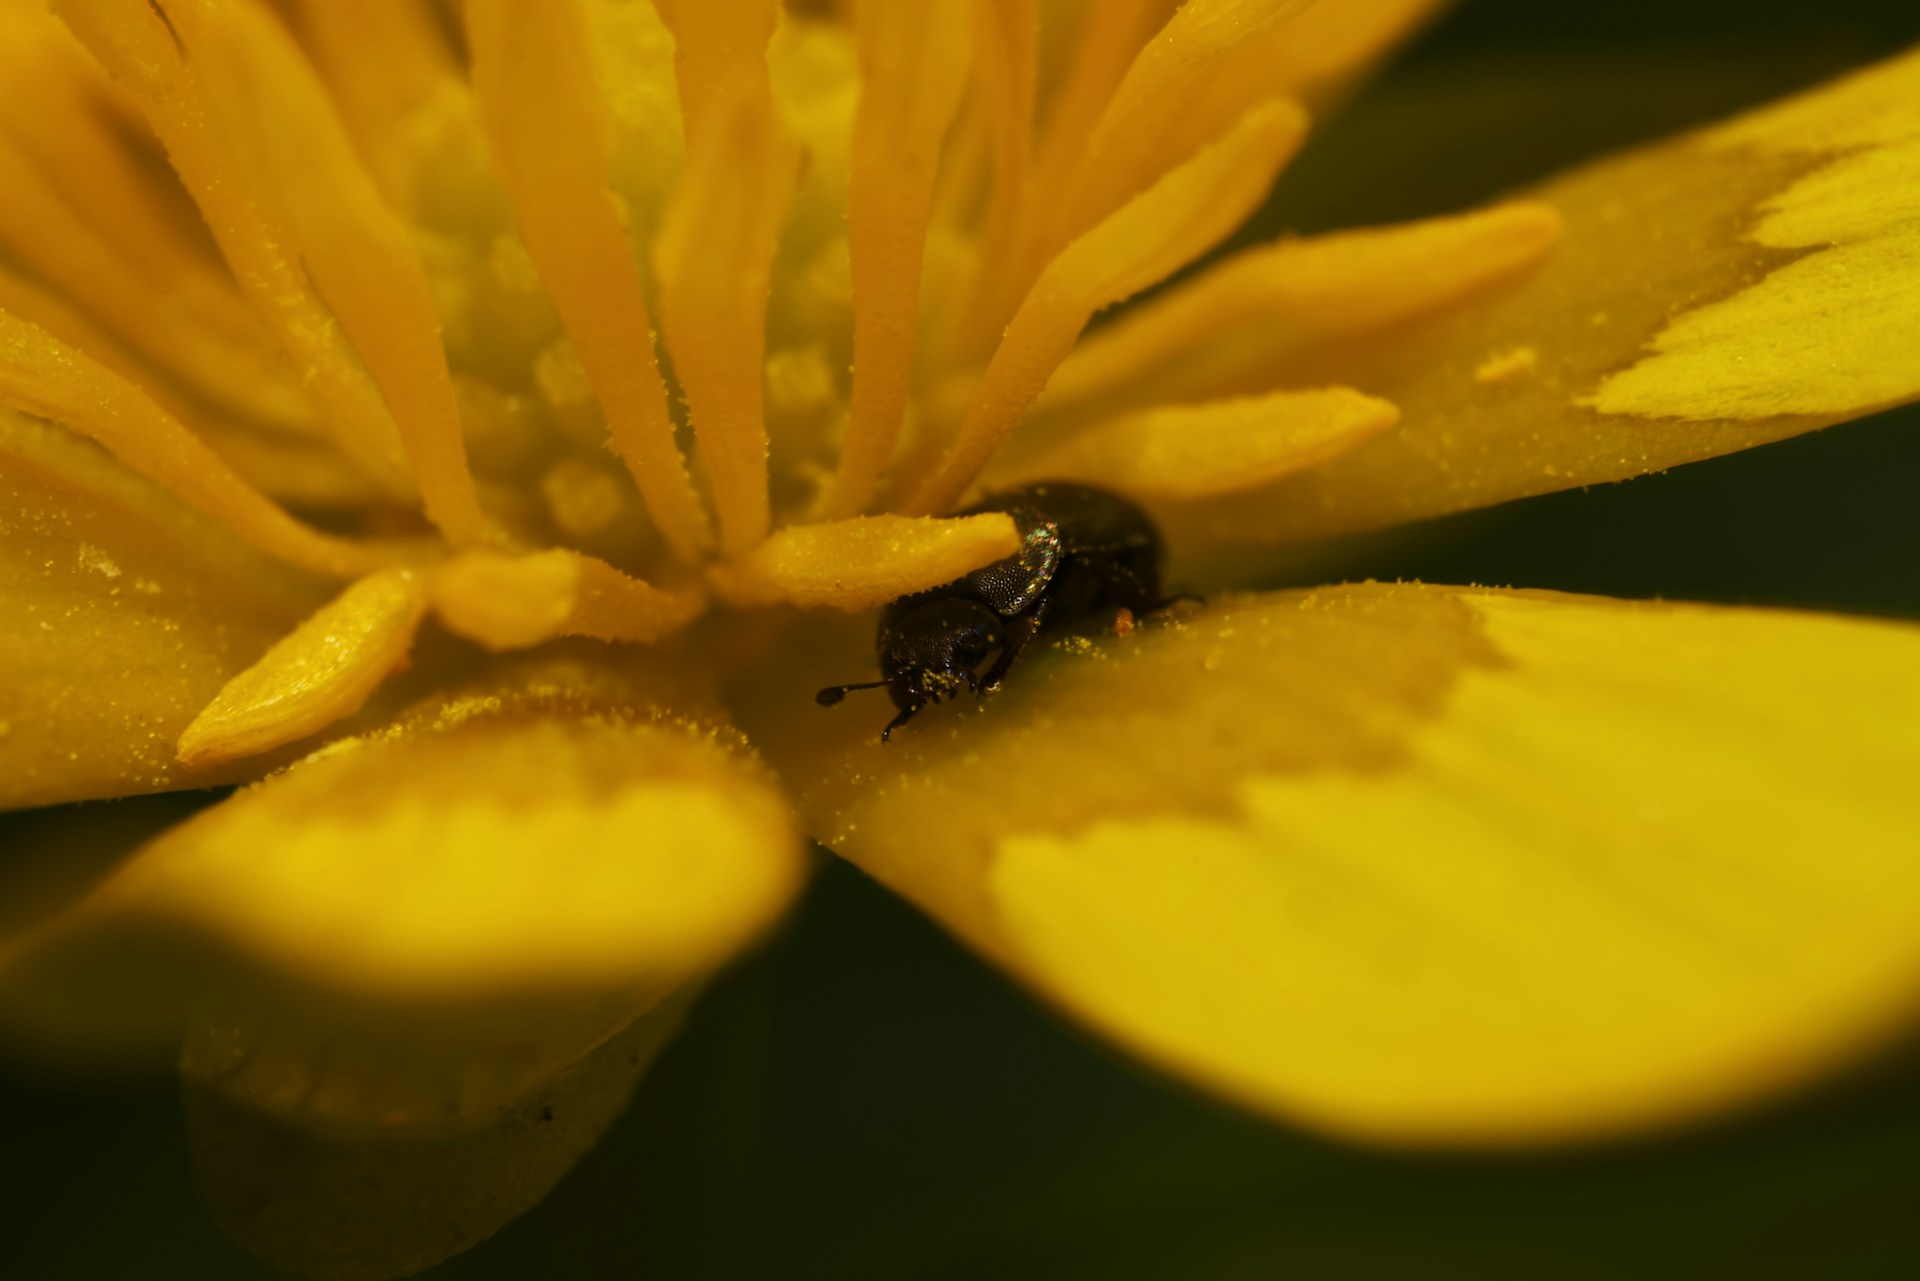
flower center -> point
(637, 304)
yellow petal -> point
(365, 1137)
(1189, 210)
(1754, 356)
(516, 602)
(1196, 451)
(1427, 864)
(126, 612)
(320, 673)
(55, 853)
(865, 561)
(1716, 292)
(553, 830)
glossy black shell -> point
(1083, 548)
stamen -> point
(62, 110)
(112, 239)
(1176, 220)
(912, 71)
(29, 302)
(516, 602)
(1330, 42)
(320, 673)
(41, 376)
(1198, 451)
(866, 561)
(129, 38)
(263, 95)
(287, 464)
(1007, 56)
(549, 130)
(379, 97)
(307, 474)
(1211, 60)
(59, 243)
(715, 41)
(714, 259)
(1284, 296)
(1109, 37)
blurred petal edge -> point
(555, 830)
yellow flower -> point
(389, 486)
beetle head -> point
(929, 653)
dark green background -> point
(865, 1101)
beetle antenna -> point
(834, 693)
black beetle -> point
(1081, 549)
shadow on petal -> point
(354, 1198)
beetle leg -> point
(894, 724)
(1020, 630)
(1126, 589)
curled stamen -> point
(516, 602)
